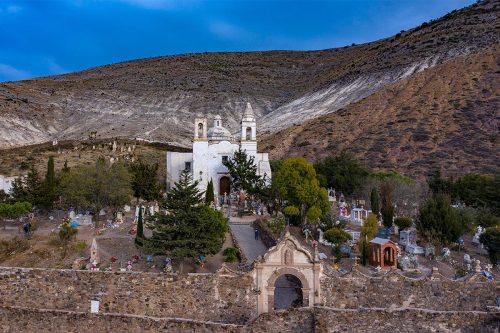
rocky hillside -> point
(446, 117)
(157, 98)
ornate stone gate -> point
(287, 257)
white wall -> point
(6, 183)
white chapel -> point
(212, 146)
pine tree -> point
(144, 180)
(191, 229)
(140, 229)
(374, 201)
(243, 171)
(184, 195)
(33, 187)
(387, 209)
(18, 191)
(209, 194)
(49, 186)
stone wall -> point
(392, 290)
(223, 297)
(266, 234)
(317, 320)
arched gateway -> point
(287, 266)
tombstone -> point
(72, 215)
(102, 212)
(129, 149)
(126, 208)
(479, 231)
(322, 240)
(94, 306)
(151, 211)
(94, 256)
(355, 235)
(136, 216)
(467, 259)
(429, 250)
(119, 217)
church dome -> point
(219, 133)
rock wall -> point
(305, 320)
(222, 297)
(392, 290)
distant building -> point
(6, 183)
(214, 146)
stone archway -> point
(271, 286)
(288, 292)
(288, 257)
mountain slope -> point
(447, 117)
(157, 98)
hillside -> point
(157, 98)
(446, 117)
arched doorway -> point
(224, 185)
(388, 256)
(288, 292)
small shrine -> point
(383, 253)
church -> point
(211, 147)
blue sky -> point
(47, 37)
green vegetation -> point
(491, 241)
(438, 220)
(95, 187)
(277, 224)
(139, 236)
(209, 194)
(387, 209)
(403, 222)
(231, 254)
(13, 210)
(243, 171)
(368, 232)
(297, 185)
(342, 172)
(66, 234)
(375, 201)
(145, 180)
(191, 229)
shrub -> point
(277, 224)
(403, 222)
(231, 254)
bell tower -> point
(249, 131)
(200, 129)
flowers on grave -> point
(113, 259)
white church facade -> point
(211, 147)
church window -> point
(218, 123)
(187, 166)
(224, 159)
(249, 133)
(200, 130)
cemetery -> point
(238, 243)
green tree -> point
(243, 171)
(368, 232)
(184, 195)
(437, 184)
(370, 227)
(13, 210)
(191, 229)
(478, 191)
(209, 194)
(96, 187)
(491, 241)
(145, 180)
(403, 222)
(438, 220)
(66, 234)
(337, 236)
(296, 183)
(139, 236)
(48, 188)
(33, 187)
(374, 201)
(342, 172)
(3, 196)
(18, 191)
(65, 168)
(387, 209)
